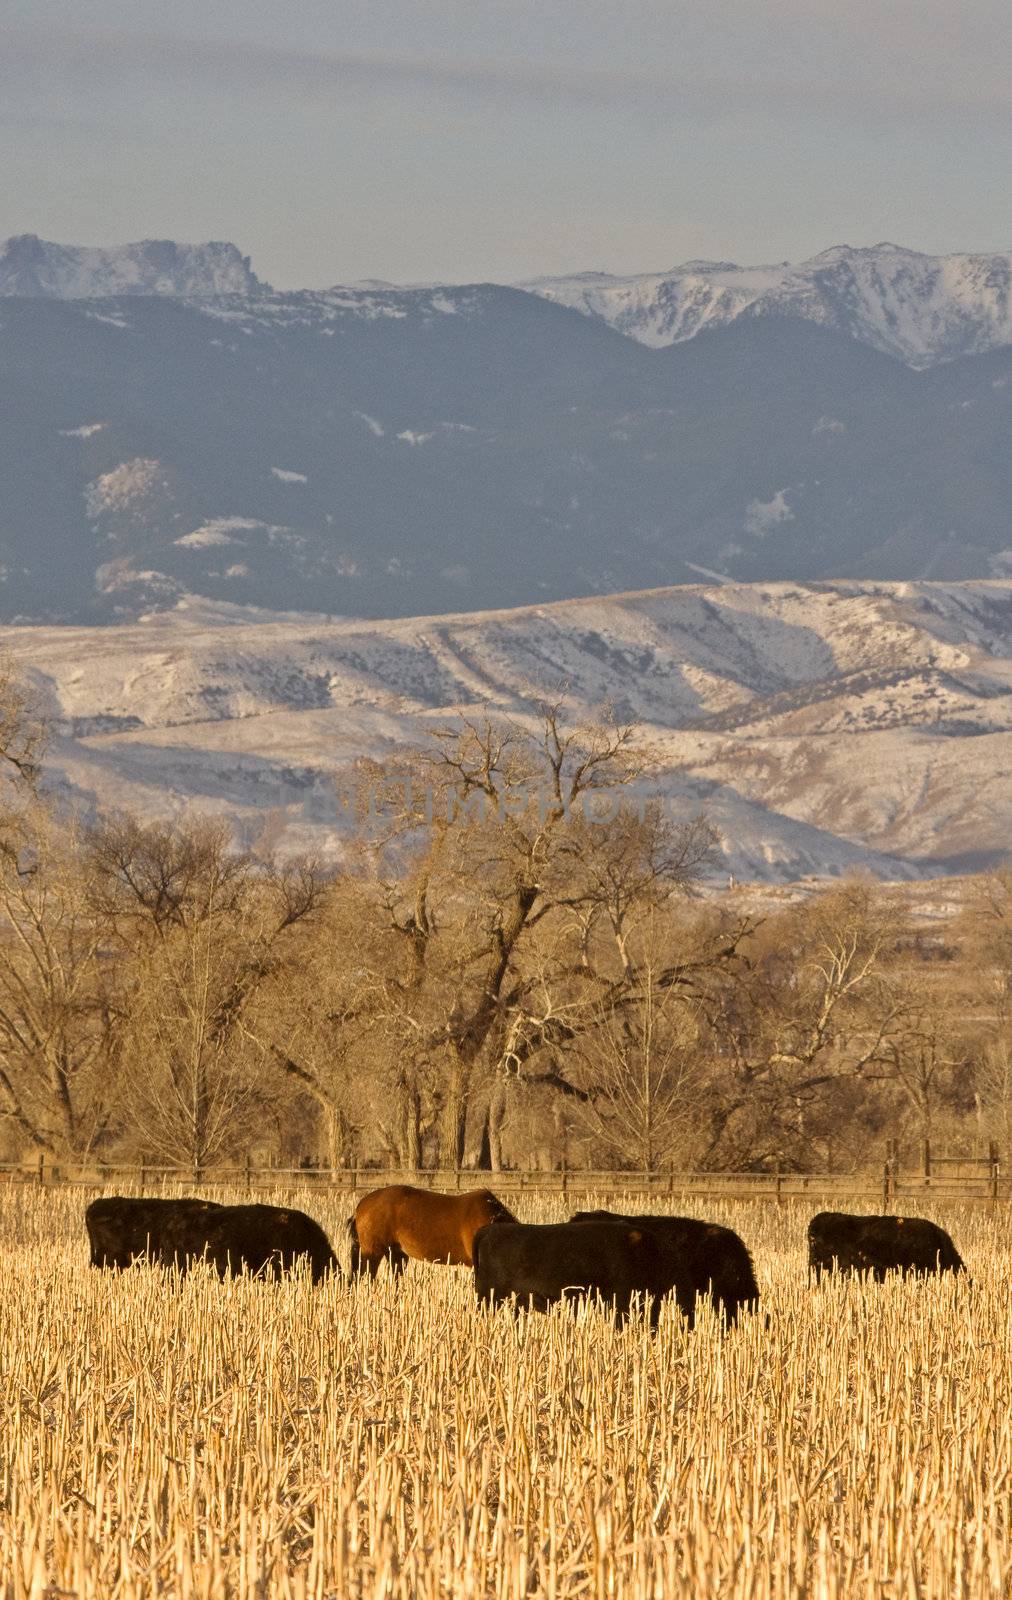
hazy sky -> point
(470, 139)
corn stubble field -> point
(190, 1437)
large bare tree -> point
(641, 1067)
(201, 929)
(514, 910)
(60, 1012)
(817, 1006)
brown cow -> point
(401, 1221)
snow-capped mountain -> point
(382, 451)
(32, 266)
(386, 452)
(822, 727)
(920, 308)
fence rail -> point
(941, 1177)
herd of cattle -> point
(596, 1253)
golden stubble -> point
(167, 1437)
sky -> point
(468, 140)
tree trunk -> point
(412, 1130)
(484, 1161)
(454, 1118)
(494, 1126)
(337, 1135)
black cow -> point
(268, 1240)
(122, 1229)
(838, 1241)
(540, 1264)
(709, 1259)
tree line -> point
(511, 967)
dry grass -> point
(159, 1437)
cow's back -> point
(704, 1257)
(265, 1239)
(126, 1228)
(842, 1241)
(544, 1263)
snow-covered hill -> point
(821, 726)
(920, 308)
(33, 266)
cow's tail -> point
(356, 1259)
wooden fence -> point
(942, 1177)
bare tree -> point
(641, 1066)
(816, 1005)
(21, 729)
(928, 1055)
(202, 930)
(60, 1018)
(322, 1018)
(512, 852)
(994, 1089)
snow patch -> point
(708, 572)
(375, 428)
(286, 475)
(126, 488)
(84, 432)
(113, 322)
(203, 538)
(761, 516)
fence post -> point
(42, 1167)
(780, 1186)
(927, 1163)
(887, 1183)
(994, 1170)
(562, 1169)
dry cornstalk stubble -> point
(382, 1439)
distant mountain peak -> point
(41, 269)
(920, 308)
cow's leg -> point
(685, 1299)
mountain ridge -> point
(32, 267)
(824, 727)
(392, 452)
(918, 307)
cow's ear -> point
(635, 1236)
